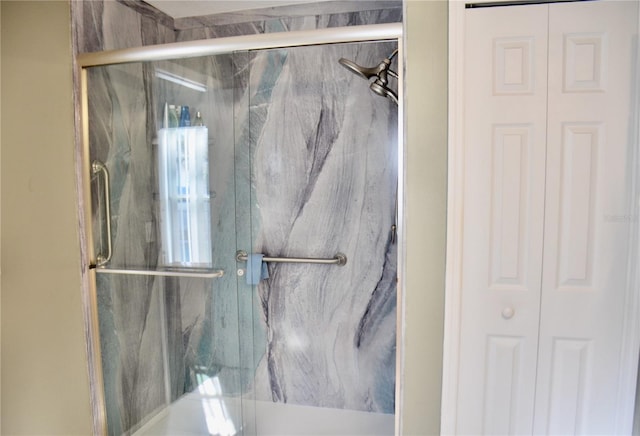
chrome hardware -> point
(98, 167)
(205, 274)
(379, 73)
(339, 259)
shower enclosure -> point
(243, 260)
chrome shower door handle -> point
(339, 259)
(98, 168)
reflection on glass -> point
(183, 175)
(219, 421)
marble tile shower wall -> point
(313, 336)
(288, 18)
(323, 179)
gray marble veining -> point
(302, 163)
(324, 172)
(274, 22)
(287, 12)
(108, 25)
(281, 19)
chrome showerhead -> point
(379, 88)
(365, 73)
(379, 73)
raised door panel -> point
(505, 134)
(584, 280)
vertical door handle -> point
(98, 168)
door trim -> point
(627, 376)
(455, 182)
(631, 333)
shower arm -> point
(387, 63)
(392, 74)
(383, 68)
(389, 59)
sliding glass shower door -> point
(321, 153)
(161, 152)
(243, 216)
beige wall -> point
(0, 222)
(425, 215)
(44, 373)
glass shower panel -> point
(318, 163)
(164, 231)
(286, 154)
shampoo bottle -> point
(185, 119)
(173, 116)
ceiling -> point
(193, 8)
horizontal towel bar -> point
(206, 274)
(339, 259)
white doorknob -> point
(508, 312)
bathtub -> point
(205, 412)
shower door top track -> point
(207, 47)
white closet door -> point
(505, 135)
(587, 216)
